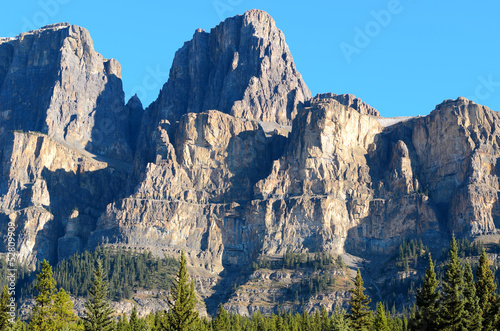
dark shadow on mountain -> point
(241, 248)
(85, 194)
(110, 136)
(231, 278)
(22, 108)
(250, 158)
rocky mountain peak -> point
(80, 100)
(242, 67)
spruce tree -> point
(222, 321)
(4, 309)
(485, 290)
(380, 323)
(426, 316)
(41, 318)
(182, 315)
(360, 314)
(98, 313)
(473, 316)
(62, 312)
(452, 300)
(53, 309)
(134, 322)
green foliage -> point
(4, 309)
(410, 253)
(473, 316)
(380, 322)
(485, 290)
(360, 314)
(98, 313)
(427, 309)
(452, 315)
(182, 315)
(124, 270)
(222, 321)
(466, 248)
(22, 275)
(53, 309)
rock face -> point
(63, 124)
(242, 67)
(234, 161)
(78, 96)
(350, 101)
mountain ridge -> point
(234, 162)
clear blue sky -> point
(403, 63)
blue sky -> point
(402, 57)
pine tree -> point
(473, 316)
(221, 322)
(426, 316)
(4, 309)
(380, 323)
(97, 309)
(122, 324)
(452, 303)
(134, 322)
(182, 315)
(53, 309)
(360, 314)
(485, 289)
(64, 317)
(41, 318)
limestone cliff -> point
(66, 138)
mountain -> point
(235, 163)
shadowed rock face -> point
(63, 122)
(232, 162)
(55, 83)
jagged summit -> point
(242, 67)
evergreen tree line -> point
(463, 299)
(125, 270)
(291, 260)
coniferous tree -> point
(380, 323)
(98, 313)
(182, 315)
(4, 309)
(360, 314)
(340, 321)
(427, 309)
(53, 309)
(122, 324)
(134, 322)
(41, 318)
(62, 312)
(473, 316)
(485, 290)
(452, 298)
(222, 321)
